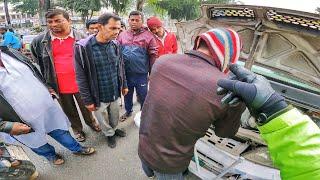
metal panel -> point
(298, 97)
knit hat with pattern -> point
(224, 44)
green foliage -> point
(180, 9)
(153, 10)
(184, 9)
(84, 7)
(119, 6)
(38, 29)
(216, 1)
(26, 6)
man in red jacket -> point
(167, 41)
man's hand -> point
(91, 107)
(19, 128)
(53, 93)
(125, 91)
(254, 90)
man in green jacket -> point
(293, 139)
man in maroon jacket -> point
(182, 103)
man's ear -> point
(100, 27)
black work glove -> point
(254, 90)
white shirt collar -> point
(53, 37)
(163, 38)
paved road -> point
(121, 163)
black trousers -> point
(69, 107)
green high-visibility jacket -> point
(294, 145)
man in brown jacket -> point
(182, 103)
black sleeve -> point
(36, 54)
(122, 70)
(81, 76)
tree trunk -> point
(84, 17)
(140, 5)
(116, 11)
(44, 6)
(91, 14)
(48, 5)
(6, 10)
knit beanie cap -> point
(224, 44)
(154, 22)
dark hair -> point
(202, 44)
(55, 12)
(104, 18)
(122, 23)
(136, 13)
(91, 21)
(11, 30)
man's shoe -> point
(58, 160)
(95, 126)
(120, 133)
(85, 151)
(111, 141)
(80, 137)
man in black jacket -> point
(53, 52)
(100, 74)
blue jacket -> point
(10, 40)
(140, 50)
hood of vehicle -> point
(279, 43)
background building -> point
(18, 19)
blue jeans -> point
(160, 176)
(64, 138)
(140, 83)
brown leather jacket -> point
(41, 50)
(181, 105)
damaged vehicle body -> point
(282, 45)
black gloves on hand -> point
(254, 90)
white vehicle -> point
(282, 45)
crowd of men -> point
(177, 93)
(84, 69)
